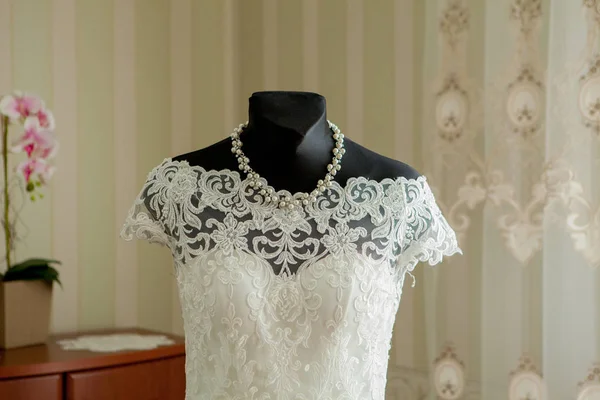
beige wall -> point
(132, 82)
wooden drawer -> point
(36, 388)
(155, 380)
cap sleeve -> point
(143, 220)
(427, 236)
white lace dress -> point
(288, 304)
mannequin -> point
(288, 142)
(302, 299)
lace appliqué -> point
(288, 304)
(427, 235)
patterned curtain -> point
(510, 118)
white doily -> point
(115, 342)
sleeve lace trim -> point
(428, 236)
(140, 225)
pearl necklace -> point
(269, 194)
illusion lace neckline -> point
(350, 182)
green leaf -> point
(31, 262)
(33, 269)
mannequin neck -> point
(287, 121)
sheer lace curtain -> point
(511, 104)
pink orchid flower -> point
(20, 106)
(45, 153)
(36, 141)
(46, 119)
(38, 167)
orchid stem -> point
(7, 238)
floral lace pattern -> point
(288, 304)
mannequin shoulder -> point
(366, 162)
(393, 169)
(216, 156)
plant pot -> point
(25, 308)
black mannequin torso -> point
(288, 142)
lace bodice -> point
(288, 304)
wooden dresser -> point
(47, 372)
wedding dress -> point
(288, 304)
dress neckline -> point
(350, 182)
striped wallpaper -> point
(134, 81)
